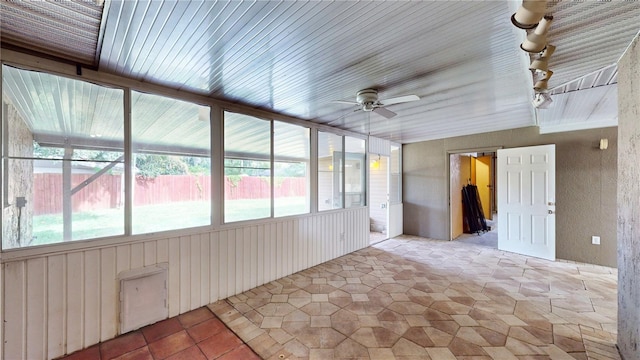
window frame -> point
(272, 170)
(127, 85)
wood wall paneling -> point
(65, 302)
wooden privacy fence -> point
(106, 191)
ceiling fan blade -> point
(399, 99)
(384, 112)
(344, 102)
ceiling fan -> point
(368, 100)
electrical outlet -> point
(595, 240)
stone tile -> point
(404, 347)
(407, 308)
(568, 344)
(192, 353)
(380, 354)
(359, 297)
(365, 337)
(296, 348)
(265, 346)
(171, 344)
(279, 298)
(321, 321)
(161, 329)
(138, 354)
(494, 338)
(276, 309)
(450, 327)
(349, 348)
(241, 352)
(460, 347)
(385, 337)
(471, 335)
(418, 336)
(319, 297)
(345, 327)
(369, 321)
(441, 353)
(194, 317)
(122, 345)
(518, 347)
(319, 308)
(271, 322)
(464, 320)
(512, 320)
(321, 354)
(456, 300)
(500, 353)
(206, 329)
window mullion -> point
(128, 164)
(272, 170)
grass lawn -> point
(47, 229)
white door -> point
(526, 201)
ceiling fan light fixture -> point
(367, 100)
(368, 106)
(537, 39)
(529, 14)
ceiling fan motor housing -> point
(368, 98)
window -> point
(64, 168)
(355, 185)
(63, 155)
(291, 169)
(247, 167)
(329, 171)
(171, 145)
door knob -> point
(551, 212)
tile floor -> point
(489, 238)
(414, 298)
(194, 335)
(404, 298)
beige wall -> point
(585, 187)
(483, 180)
(629, 203)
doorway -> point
(378, 198)
(477, 169)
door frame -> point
(386, 176)
(493, 149)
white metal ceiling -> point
(69, 28)
(461, 57)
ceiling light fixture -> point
(541, 64)
(537, 39)
(604, 144)
(529, 14)
(543, 82)
(541, 100)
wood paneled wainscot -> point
(60, 302)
